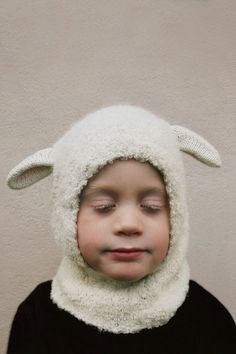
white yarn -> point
(115, 306)
(100, 138)
(117, 132)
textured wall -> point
(62, 59)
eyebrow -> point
(110, 191)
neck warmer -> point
(117, 132)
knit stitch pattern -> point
(117, 132)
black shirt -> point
(202, 325)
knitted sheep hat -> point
(101, 137)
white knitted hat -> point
(117, 132)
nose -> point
(128, 223)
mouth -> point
(126, 254)
(127, 250)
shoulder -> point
(201, 295)
(31, 310)
(204, 323)
(41, 291)
(38, 298)
(203, 303)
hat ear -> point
(195, 145)
(32, 169)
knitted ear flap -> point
(195, 145)
(32, 169)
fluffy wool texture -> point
(118, 132)
(114, 306)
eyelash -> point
(106, 208)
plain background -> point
(63, 59)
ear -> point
(32, 169)
(195, 145)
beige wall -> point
(62, 59)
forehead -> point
(127, 168)
(127, 176)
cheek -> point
(162, 238)
(166, 234)
(87, 238)
(165, 245)
(86, 250)
(161, 250)
(87, 247)
(84, 226)
(84, 237)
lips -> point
(126, 254)
(127, 250)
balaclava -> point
(111, 133)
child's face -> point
(117, 212)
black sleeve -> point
(23, 331)
(215, 322)
(225, 335)
(25, 336)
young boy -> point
(121, 217)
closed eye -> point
(151, 208)
(104, 208)
(108, 207)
